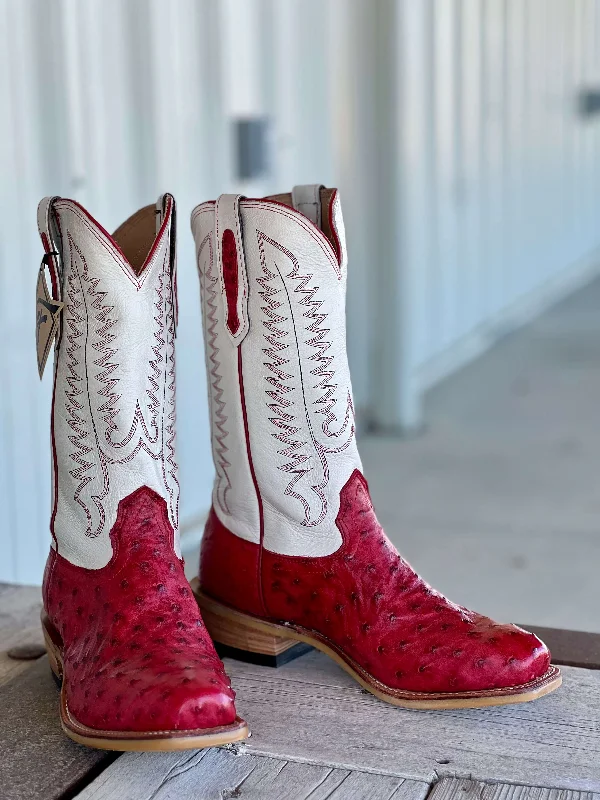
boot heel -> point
(53, 646)
(240, 636)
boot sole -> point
(126, 741)
(244, 634)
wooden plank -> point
(464, 789)
(361, 785)
(410, 790)
(205, 773)
(232, 772)
(38, 760)
(328, 788)
(337, 727)
(288, 781)
(311, 710)
(19, 625)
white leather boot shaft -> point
(113, 415)
(273, 303)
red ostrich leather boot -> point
(122, 628)
(292, 550)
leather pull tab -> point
(159, 213)
(232, 266)
(48, 303)
(307, 200)
(51, 242)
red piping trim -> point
(95, 222)
(112, 241)
(55, 293)
(54, 462)
(309, 227)
(300, 216)
(291, 212)
(254, 480)
(146, 262)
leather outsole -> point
(245, 632)
(127, 741)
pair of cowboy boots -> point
(292, 550)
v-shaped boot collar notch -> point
(166, 208)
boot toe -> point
(184, 704)
(138, 698)
(500, 657)
(206, 708)
(486, 656)
(513, 657)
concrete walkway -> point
(497, 504)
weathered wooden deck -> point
(315, 734)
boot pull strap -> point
(48, 303)
(307, 200)
(51, 242)
(162, 207)
(232, 266)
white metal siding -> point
(494, 180)
(470, 183)
(511, 181)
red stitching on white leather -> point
(299, 464)
(75, 300)
(280, 208)
(81, 285)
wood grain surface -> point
(228, 773)
(316, 735)
(19, 625)
(38, 760)
(310, 709)
(464, 789)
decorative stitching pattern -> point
(324, 369)
(217, 405)
(302, 222)
(281, 393)
(90, 325)
(116, 255)
(158, 367)
(76, 336)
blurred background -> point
(465, 138)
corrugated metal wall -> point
(113, 102)
(495, 179)
(470, 181)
